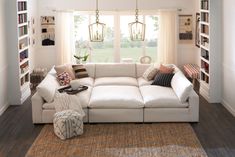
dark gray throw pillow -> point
(162, 79)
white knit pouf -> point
(67, 124)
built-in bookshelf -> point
(210, 50)
(19, 52)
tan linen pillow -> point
(150, 73)
(166, 70)
(65, 68)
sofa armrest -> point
(37, 103)
(194, 106)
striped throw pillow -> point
(163, 79)
(80, 71)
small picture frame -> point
(48, 30)
(197, 33)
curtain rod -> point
(116, 10)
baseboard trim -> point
(228, 107)
(4, 108)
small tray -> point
(69, 90)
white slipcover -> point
(87, 81)
(129, 81)
(143, 82)
(160, 97)
(115, 70)
(120, 97)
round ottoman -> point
(67, 124)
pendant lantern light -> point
(96, 30)
(137, 29)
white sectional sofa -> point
(118, 93)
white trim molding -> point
(228, 107)
(4, 108)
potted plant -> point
(84, 50)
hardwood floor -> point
(216, 130)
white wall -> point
(32, 10)
(229, 55)
(3, 60)
(46, 56)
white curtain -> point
(167, 44)
(64, 37)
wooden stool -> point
(192, 71)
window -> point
(129, 49)
(104, 51)
(117, 44)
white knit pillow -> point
(181, 86)
(150, 73)
(47, 88)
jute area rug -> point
(121, 140)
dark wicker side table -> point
(37, 76)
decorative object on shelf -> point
(96, 30)
(32, 32)
(145, 60)
(48, 30)
(197, 33)
(137, 29)
(185, 27)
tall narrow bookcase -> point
(211, 50)
(18, 46)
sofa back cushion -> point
(181, 86)
(115, 70)
(90, 67)
(47, 88)
(141, 68)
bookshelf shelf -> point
(210, 47)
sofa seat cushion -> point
(143, 82)
(129, 81)
(87, 81)
(83, 96)
(160, 97)
(119, 97)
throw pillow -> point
(166, 70)
(64, 78)
(47, 88)
(182, 86)
(65, 68)
(80, 71)
(163, 79)
(150, 73)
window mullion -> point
(117, 37)
(91, 51)
(144, 42)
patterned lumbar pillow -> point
(80, 71)
(150, 73)
(162, 79)
(64, 78)
(68, 124)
